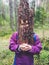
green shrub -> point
(46, 47)
(6, 57)
(42, 58)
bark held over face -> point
(25, 15)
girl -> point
(25, 43)
(24, 52)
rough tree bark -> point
(25, 17)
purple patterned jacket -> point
(24, 58)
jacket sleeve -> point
(13, 43)
(36, 48)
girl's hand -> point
(25, 47)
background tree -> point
(16, 12)
(11, 14)
(40, 18)
(0, 12)
(3, 10)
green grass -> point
(6, 56)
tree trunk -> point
(3, 10)
(16, 13)
(0, 7)
(11, 14)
